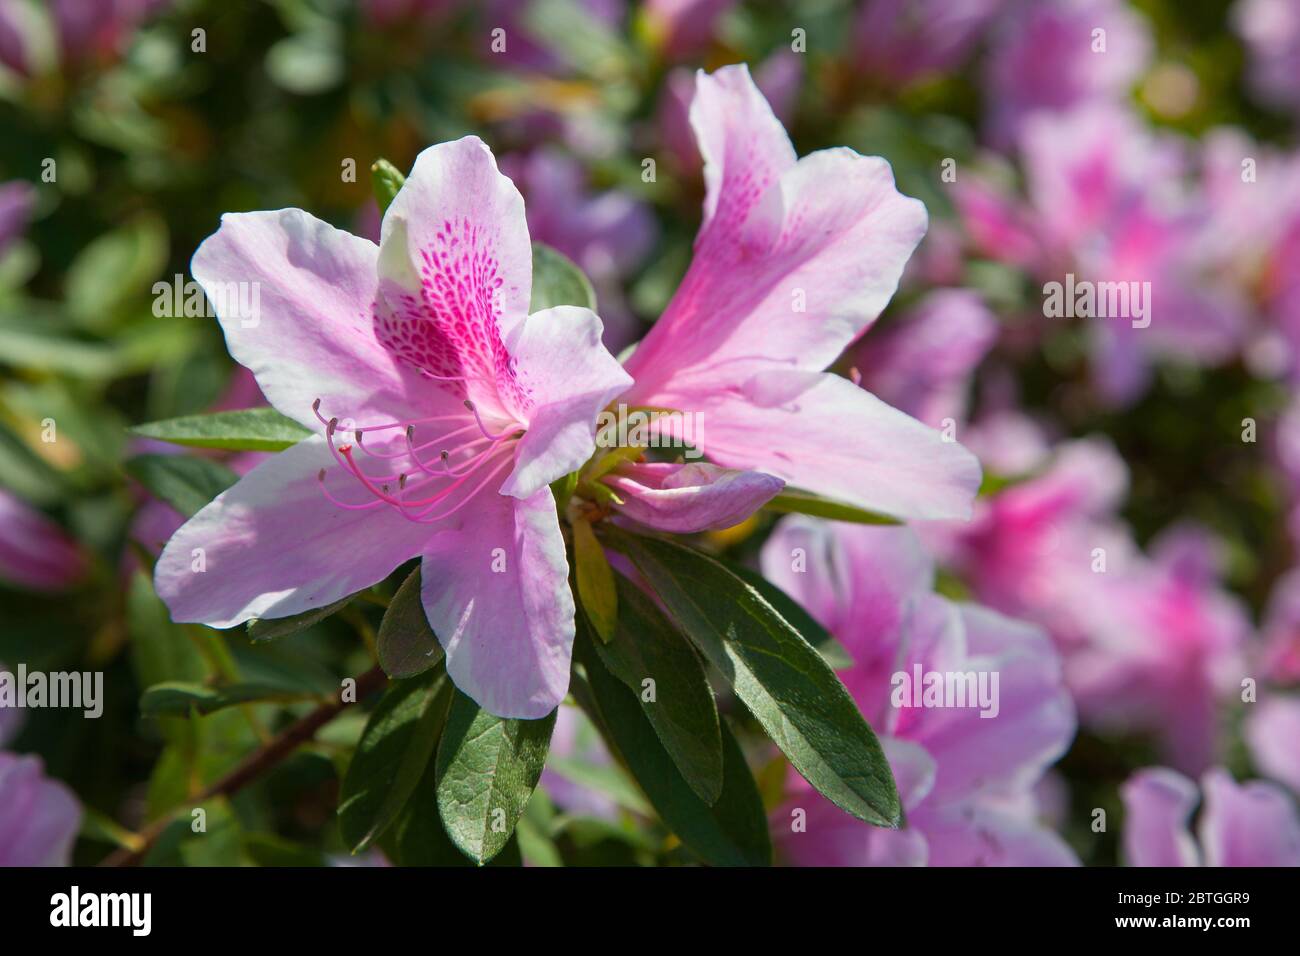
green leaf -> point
(391, 757)
(387, 180)
(832, 651)
(419, 838)
(115, 267)
(558, 281)
(487, 769)
(595, 580)
(801, 502)
(180, 698)
(249, 429)
(731, 832)
(261, 630)
(407, 645)
(780, 677)
(187, 484)
(681, 709)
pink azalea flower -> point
(1028, 549)
(39, 817)
(966, 781)
(607, 234)
(442, 411)
(1271, 31)
(1281, 630)
(1249, 824)
(901, 41)
(35, 553)
(1108, 201)
(1165, 647)
(1272, 730)
(923, 362)
(778, 78)
(1046, 56)
(795, 258)
(1251, 237)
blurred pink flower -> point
(684, 28)
(1271, 31)
(607, 234)
(1251, 237)
(35, 553)
(1272, 732)
(901, 41)
(795, 258)
(1106, 200)
(922, 363)
(966, 781)
(420, 354)
(39, 817)
(1165, 648)
(1248, 824)
(1055, 55)
(1281, 630)
(90, 30)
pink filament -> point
(418, 510)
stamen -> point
(481, 427)
(425, 518)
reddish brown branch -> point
(258, 763)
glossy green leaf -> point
(733, 830)
(391, 757)
(180, 698)
(248, 429)
(557, 280)
(487, 769)
(261, 630)
(801, 502)
(407, 645)
(784, 682)
(652, 658)
(187, 484)
(832, 651)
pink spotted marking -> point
(450, 330)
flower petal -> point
(496, 592)
(1249, 824)
(823, 434)
(35, 552)
(39, 817)
(691, 497)
(569, 377)
(976, 835)
(295, 298)
(860, 583)
(793, 261)
(273, 546)
(1158, 804)
(1031, 722)
(456, 270)
(1271, 733)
